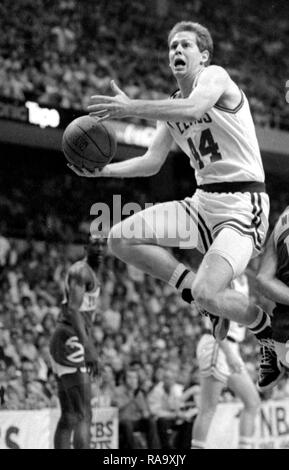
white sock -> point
(182, 279)
(261, 322)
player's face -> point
(95, 253)
(184, 54)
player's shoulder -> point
(214, 72)
(78, 271)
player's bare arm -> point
(214, 82)
(146, 165)
(269, 285)
(77, 285)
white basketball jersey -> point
(222, 145)
(90, 299)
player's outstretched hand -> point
(87, 173)
(110, 107)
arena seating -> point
(60, 53)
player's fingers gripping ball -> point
(89, 144)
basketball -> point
(89, 144)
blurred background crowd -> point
(140, 320)
(78, 47)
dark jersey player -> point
(273, 281)
(73, 354)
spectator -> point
(35, 397)
(28, 349)
(166, 402)
(4, 250)
(103, 388)
(2, 342)
(134, 413)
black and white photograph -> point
(144, 227)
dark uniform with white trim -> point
(280, 319)
(69, 361)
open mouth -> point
(179, 62)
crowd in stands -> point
(59, 53)
(140, 320)
(146, 336)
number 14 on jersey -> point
(207, 147)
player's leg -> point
(210, 392)
(67, 420)
(142, 239)
(80, 395)
(227, 257)
(243, 387)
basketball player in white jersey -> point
(209, 118)
(273, 282)
(74, 357)
(221, 365)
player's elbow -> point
(151, 167)
(154, 170)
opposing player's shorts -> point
(233, 225)
(212, 360)
(66, 351)
(74, 392)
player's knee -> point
(69, 420)
(84, 415)
(203, 295)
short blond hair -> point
(203, 36)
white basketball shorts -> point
(212, 360)
(233, 225)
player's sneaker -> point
(270, 369)
(220, 325)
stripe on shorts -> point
(233, 223)
(215, 355)
(257, 212)
(197, 214)
(203, 230)
(251, 230)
